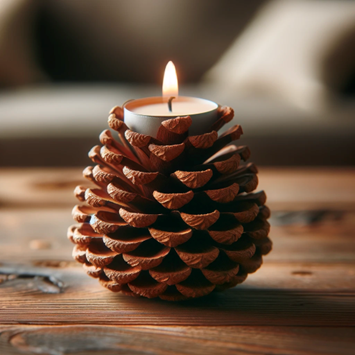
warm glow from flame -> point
(170, 82)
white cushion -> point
(294, 50)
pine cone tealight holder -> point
(173, 216)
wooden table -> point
(302, 300)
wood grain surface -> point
(302, 300)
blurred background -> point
(287, 67)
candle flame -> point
(170, 82)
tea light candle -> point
(145, 115)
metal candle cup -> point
(145, 115)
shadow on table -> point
(83, 301)
(240, 306)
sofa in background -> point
(67, 63)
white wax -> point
(145, 115)
(181, 106)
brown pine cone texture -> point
(171, 217)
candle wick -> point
(170, 103)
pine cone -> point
(173, 216)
